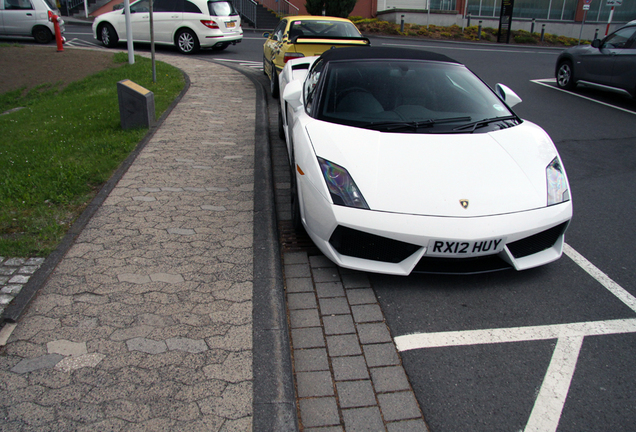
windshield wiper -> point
(481, 123)
(391, 126)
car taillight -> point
(292, 55)
(210, 24)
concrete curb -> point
(19, 304)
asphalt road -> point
(549, 349)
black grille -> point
(537, 242)
(482, 264)
(363, 245)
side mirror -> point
(507, 95)
(266, 34)
(596, 43)
(293, 94)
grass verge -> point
(61, 146)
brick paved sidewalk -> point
(146, 324)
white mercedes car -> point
(405, 161)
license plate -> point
(454, 248)
(230, 24)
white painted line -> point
(447, 47)
(544, 82)
(601, 277)
(513, 334)
(547, 409)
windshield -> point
(409, 96)
(221, 8)
(324, 28)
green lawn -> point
(58, 150)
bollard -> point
(532, 27)
(58, 33)
(402, 25)
(468, 18)
(595, 34)
(479, 31)
(136, 105)
(542, 31)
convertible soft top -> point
(372, 53)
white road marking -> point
(544, 82)
(548, 406)
(448, 47)
(245, 63)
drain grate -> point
(293, 240)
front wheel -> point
(281, 130)
(109, 36)
(42, 35)
(273, 83)
(187, 42)
(565, 76)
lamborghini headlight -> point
(557, 185)
(341, 186)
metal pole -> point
(152, 43)
(609, 21)
(479, 31)
(596, 34)
(129, 38)
(532, 26)
(402, 24)
(542, 31)
(582, 24)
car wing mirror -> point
(507, 95)
(266, 34)
(596, 43)
(293, 94)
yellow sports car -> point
(300, 36)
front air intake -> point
(363, 245)
(537, 242)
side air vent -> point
(363, 245)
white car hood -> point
(426, 174)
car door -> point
(18, 17)
(167, 17)
(140, 21)
(273, 44)
(624, 69)
(598, 64)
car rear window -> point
(221, 8)
(324, 28)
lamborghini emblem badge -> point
(464, 203)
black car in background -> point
(609, 64)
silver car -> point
(28, 18)
(608, 64)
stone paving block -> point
(321, 261)
(166, 277)
(319, 412)
(308, 338)
(299, 285)
(133, 278)
(325, 429)
(148, 346)
(388, 379)
(407, 426)
(66, 348)
(69, 364)
(7, 271)
(349, 368)
(367, 313)
(355, 280)
(43, 362)
(301, 301)
(297, 270)
(353, 394)
(381, 355)
(338, 324)
(329, 289)
(399, 406)
(14, 262)
(326, 275)
(295, 258)
(314, 384)
(19, 279)
(334, 306)
(373, 333)
(308, 360)
(5, 299)
(304, 318)
(343, 345)
(363, 419)
(361, 296)
(193, 346)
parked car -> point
(405, 161)
(29, 18)
(609, 64)
(301, 36)
(186, 24)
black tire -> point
(281, 131)
(187, 42)
(42, 35)
(108, 35)
(264, 63)
(220, 48)
(273, 83)
(565, 75)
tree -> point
(337, 8)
